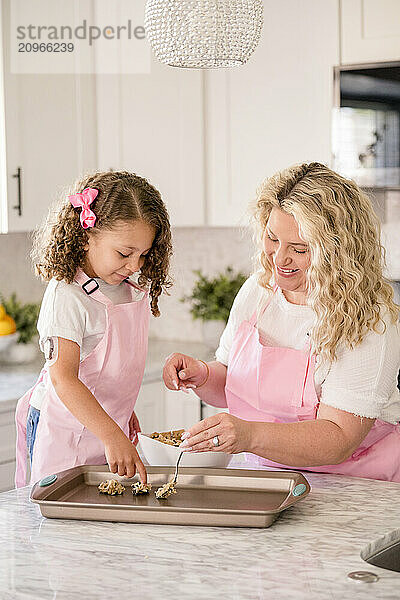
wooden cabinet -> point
(370, 31)
(275, 110)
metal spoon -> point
(176, 468)
(169, 488)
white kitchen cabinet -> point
(150, 406)
(206, 139)
(210, 411)
(181, 410)
(275, 110)
(7, 476)
(152, 124)
(160, 409)
(45, 139)
(49, 134)
(370, 31)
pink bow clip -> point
(85, 199)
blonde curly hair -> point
(59, 244)
(345, 283)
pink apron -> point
(276, 385)
(113, 372)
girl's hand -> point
(123, 458)
(181, 372)
(134, 428)
(234, 435)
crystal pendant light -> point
(203, 34)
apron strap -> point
(91, 288)
(137, 288)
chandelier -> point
(203, 34)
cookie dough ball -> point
(166, 490)
(141, 488)
(112, 487)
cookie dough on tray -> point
(112, 487)
(140, 488)
(166, 490)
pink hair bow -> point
(84, 200)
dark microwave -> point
(366, 124)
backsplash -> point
(16, 272)
(210, 249)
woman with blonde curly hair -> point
(93, 325)
(308, 362)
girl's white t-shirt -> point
(67, 311)
(362, 381)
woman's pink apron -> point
(276, 385)
(113, 372)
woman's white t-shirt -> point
(67, 311)
(362, 381)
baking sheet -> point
(205, 496)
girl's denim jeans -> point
(31, 427)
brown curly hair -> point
(59, 244)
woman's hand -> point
(234, 435)
(123, 458)
(134, 428)
(181, 372)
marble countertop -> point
(15, 380)
(306, 554)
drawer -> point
(7, 473)
(7, 437)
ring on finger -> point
(215, 441)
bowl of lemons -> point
(8, 330)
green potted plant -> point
(211, 301)
(25, 316)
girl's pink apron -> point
(276, 385)
(113, 372)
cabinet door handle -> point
(18, 175)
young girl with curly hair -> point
(308, 362)
(105, 252)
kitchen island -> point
(306, 554)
